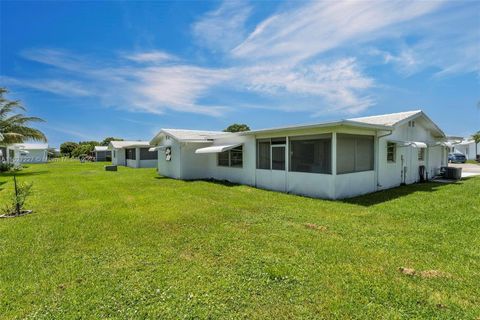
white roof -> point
(394, 119)
(388, 119)
(29, 146)
(190, 135)
(128, 144)
(218, 148)
(101, 148)
(466, 142)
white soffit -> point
(218, 149)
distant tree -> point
(476, 138)
(83, 149)
(107, 141)
(68, 148)
(14, 127)
(92, 143)
(237, 127)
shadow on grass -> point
(224, 183)
(23, 174)
(394, 193)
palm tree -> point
(14, 126)
(476, 138)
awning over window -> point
(444, 144)
(218, 149)
(415, 144)
(157, 148)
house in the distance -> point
(102, 153)
(337, 159)
(134, 154)
(23, 153)
(467, 148)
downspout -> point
(377, 162)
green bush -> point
(6, 166)
(17, 202)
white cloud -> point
(223, 28)
(317, 27)
(60, 87)
(292, 55)
(340, 84)
(151, 56)
(142, 87)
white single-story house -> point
(333, 160)
(134, 154)
(467, 147)
(102, 153)
(21, 153)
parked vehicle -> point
(456, 158)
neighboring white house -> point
(332, 160)
(102, 153)
(134, 154)
(467, 147)
(21, 153)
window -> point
(354, 153)
(263, 154)
(224, 159)
(271, 153)
(130, 154)
(236, 157)
(148, 155)
(391, 151)
(114, 153)
(311, 154)
(421, 154)
(231, 158)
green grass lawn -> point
(131, 244)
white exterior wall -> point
(171, 168)
(33, 155)
(244, 175)
(118, 157)
(186, 164)
(194, 166)
(390, 173)
(355, 184)
(317, 185)
(137, 163)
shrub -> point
(5, 166)
(17, 202)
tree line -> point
(76, 149)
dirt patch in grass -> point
(314, 226)
(424, 274)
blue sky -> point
(127, 69)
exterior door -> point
(278, 165)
